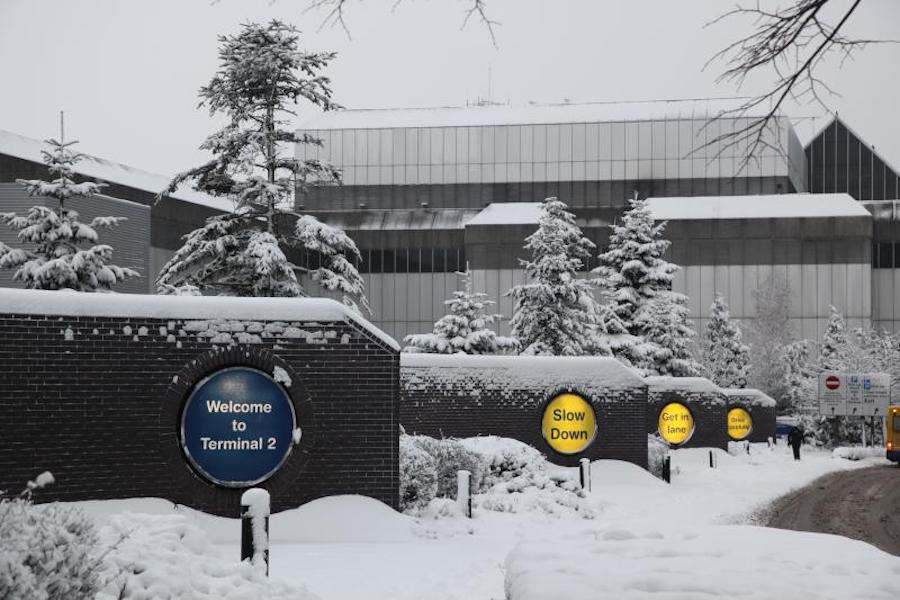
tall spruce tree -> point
(61, 251)
(667, 337)
(263, 74)
(465, 328)
(634, 273)
(834, 350)
(724, 356)
(799, 384)
(555, 310)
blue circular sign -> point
(237, 427)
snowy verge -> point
(156, 556)
(857, 452)
(753, 563)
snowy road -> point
(861, 504)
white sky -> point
(127, 73)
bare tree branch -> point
(791, 41)
(335, 15)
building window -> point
(885, 255)
(412, 260)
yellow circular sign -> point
(569, 423)
(740, 423)
(676, 423)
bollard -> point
(464, 492)
(712, 460)
(255, 510)
(584, 474)
(667, 469)
(748, 446)
(769, 439)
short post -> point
(712, 460)
(464, 492)
(255, 510)
(748, 446)
(771, 442)
(667, 469)
(584, 474)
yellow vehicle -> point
(893, 434)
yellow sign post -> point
(569, 423)
(740, 423)
(676, 423)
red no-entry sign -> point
(832, 382)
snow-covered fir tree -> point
(555, 311)
(666, 336)
(633, 272)
(724, 356)
(768, 333)
(799, 384)
(263, 75)
(834, 349)
(465, 329)
(59, 251)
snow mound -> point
(157, 556)
(714, 562)
(619, 472)
(857, 453)
(341, 519)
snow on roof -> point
(80, 304)
(508, 213)
(26, 148)
(756, 207)
(591, 372)
(659, 383)
(751, 396)
(474, 116)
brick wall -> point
(453, 396)
(96, 400)
(706, 403)
(762, 410)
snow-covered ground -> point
(633, 537)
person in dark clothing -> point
(795, 440)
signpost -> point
(237, 427)
(854, 394)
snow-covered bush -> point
(518, 479)
(418, 475)
(504, 459)
(47, 552)
(450, 456)
(657, 450)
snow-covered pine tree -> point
(465, 328)
(799, 384)
(61, 251)
(633, 271)
(724, 356)
(834, 350)
(555, 312)
(665, 346)
(263, 75)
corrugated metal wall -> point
(130, 240)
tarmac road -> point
(863, 504)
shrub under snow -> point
(657, 450)
(418, 475)
(47, 552)
(450, 456)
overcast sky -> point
(127, 73)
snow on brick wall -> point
(96, 400)
(466, 396)
(706, 401)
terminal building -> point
(428, 191)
